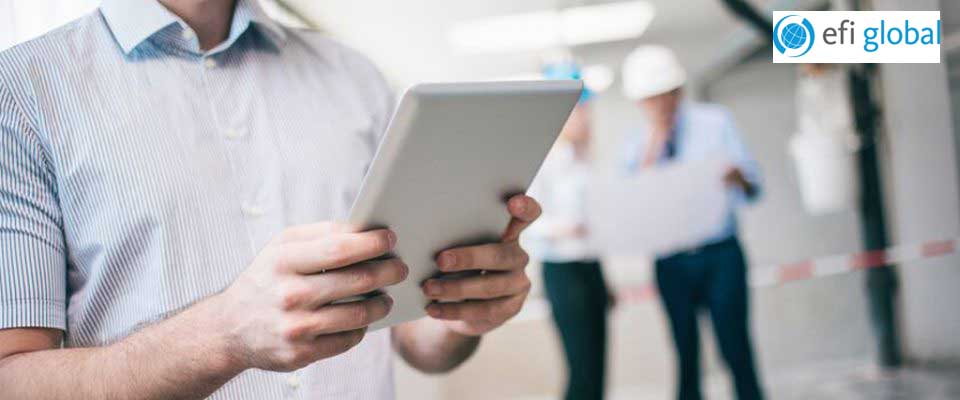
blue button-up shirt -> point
(139, 174)
(704, 130)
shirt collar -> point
(681, 120)
(134, 21)
(250, 12)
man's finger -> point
(334, 251)
(497, 310)
(493, 256)
(326, 346)
(524, 210)
(489, 286)
(321, 289)
(315, 231)
(338, 318)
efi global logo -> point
(793, 36)
(852, 37)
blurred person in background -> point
(712, 276)
(572, 273)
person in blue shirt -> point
(712, 276)
(572, 274)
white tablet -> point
(451, 156)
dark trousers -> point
(881, 292)
(713, 277)
(579, 299)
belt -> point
(731, 241)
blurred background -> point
(813, 336)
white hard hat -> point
(651, 70)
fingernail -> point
(520, 206)
(392, 237)
(447, 260)
(433, 289)
(434, 311)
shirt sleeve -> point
(539, 191)
(537, 239)
(634, 145)
(631, 150)
(741, 157)
(32, 250)
(553, 218)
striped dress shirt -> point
(140, 174)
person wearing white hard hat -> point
(573, 276)
(712, 276)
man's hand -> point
(734, 178)
(280, 313)
(477, 304)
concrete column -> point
(923, 195)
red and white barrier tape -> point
(776, 275)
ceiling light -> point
(551, 29)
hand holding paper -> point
(659, 210)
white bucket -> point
(826, 171)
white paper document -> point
(659, 211)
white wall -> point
(926, 201)
(21, 20)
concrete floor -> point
(846, 380)
(830, 381)
(799, 330)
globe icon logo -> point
(794, 36)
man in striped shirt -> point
(164, 168)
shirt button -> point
(233, 134)
(293, 381)
(209, 63)
(187, 34)
(253, 211)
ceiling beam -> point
(745, 45)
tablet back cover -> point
(451, 156)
